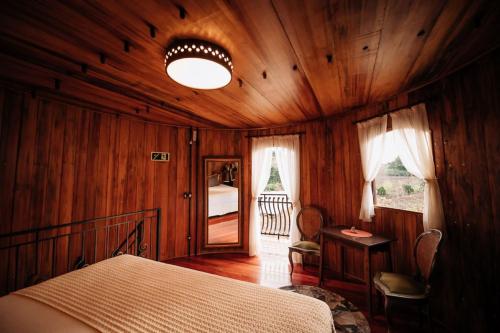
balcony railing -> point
(275, 211)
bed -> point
(129, 293)
(222, 200)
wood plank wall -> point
(60, 163)
(40, 187)
(331, 180)
(222, 143)
(463, 111)
(465, 121)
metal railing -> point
(35, 255)
(275, 211)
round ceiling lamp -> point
(198, 64)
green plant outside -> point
(396, 168)
(274, 183)
(381, 191)
(408, 189)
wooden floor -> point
(273, 272)
(223, 229)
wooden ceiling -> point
(294, 60)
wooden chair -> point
(399, 288)
(309, 223)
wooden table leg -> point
(321, 255)
(342, 264)
(389, 255)
(368, 280)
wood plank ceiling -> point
(294, 60)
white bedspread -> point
(132, 294)
(222, 199)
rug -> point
(347, 318)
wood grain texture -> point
(63, 163)
(463, 112)
(228, 143)
(378, 48)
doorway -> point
(275, 189)
(275, 221)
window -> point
(390, 159)
(395, 187)
(274, 182)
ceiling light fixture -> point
(198, 64)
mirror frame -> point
(207, 159)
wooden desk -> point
(371, 244)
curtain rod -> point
(394, 110)
(264, 135)
(383, 114)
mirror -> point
(222, 201)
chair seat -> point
(306, 245)
(399, 285)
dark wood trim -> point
(398, 210)
(267, 135)
(388, 112)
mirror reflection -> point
(223, 201)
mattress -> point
(222, 200)
(133, 294)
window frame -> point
(374, 187)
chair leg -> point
(420, 316)
(290, 258)
(379, 301)
(387, 310)
(427, 313)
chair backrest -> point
(425, 252)
(309, 223)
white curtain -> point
(412, 132)
(371, 136)
(261, 170)
(287, 150)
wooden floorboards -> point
(223, 229)
(273, 272)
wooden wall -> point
(222, 143)
(463, 111)
(465, 121)
(331, 180)
(60, 163)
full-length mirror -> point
(222, 201)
